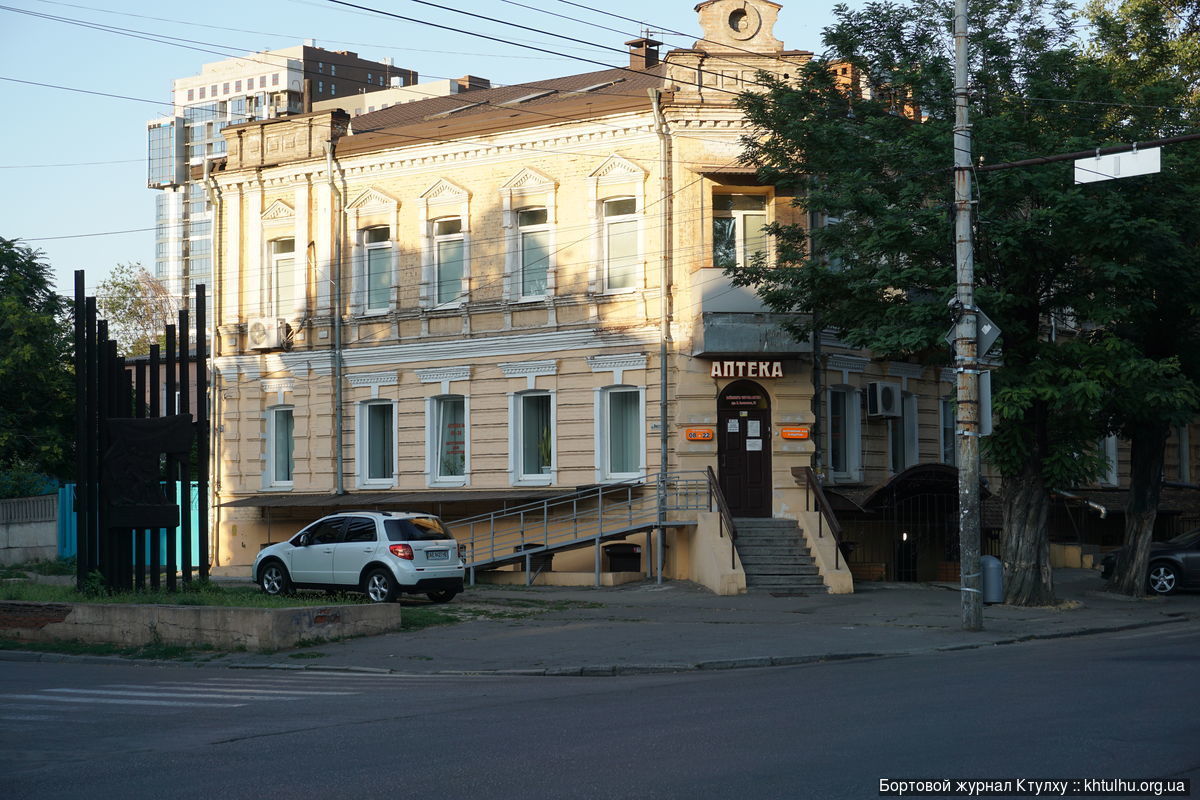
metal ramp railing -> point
(528, 533)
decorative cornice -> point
(278, 211)
(616, 168)
(372, 198)
(900, 369)
(274, 385)
(847, 363)
(458, 351)
(373, 379)
(445, 192)
(522, 369)
(529, 179)
(443, 374)
(609, 363)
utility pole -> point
(966, 357)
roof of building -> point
(482, 111)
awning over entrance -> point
(367, 500)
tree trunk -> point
(1147, 450)
(1027, 575)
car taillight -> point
(402, 551)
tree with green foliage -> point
(137, 306)
(37, 401)
(1147, 56)
(863, 137)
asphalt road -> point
(1117, 705)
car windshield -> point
(1186, 539)
(415, 529)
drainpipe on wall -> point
(818, 461)
(335, 355)
(216, 201)
(664, 314)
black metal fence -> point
(135, 446)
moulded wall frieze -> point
(373, 379)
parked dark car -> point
(1174, 564)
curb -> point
(591, 670)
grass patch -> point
(57, 566)
(155, 650)
(199, 593)
(417, 618)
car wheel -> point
(444, 596)
(273, 579)
(1164, 578)
(380, 586)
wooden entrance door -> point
(744, 448)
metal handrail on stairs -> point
(587, 516)
(825, 514)
(715, 493)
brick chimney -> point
(643, 53)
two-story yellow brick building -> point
(472, 301)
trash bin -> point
(623, 557)
(993, 579)
(538, 562)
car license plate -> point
(437, 555)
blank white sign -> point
(1118, 165)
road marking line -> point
(224, 689)
(116, 702)
(171, 695)
(27, 717)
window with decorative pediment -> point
(449, 259)
(622, 263)
(377, 245)
(533, 252)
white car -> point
(381, 554)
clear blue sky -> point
(46, 126)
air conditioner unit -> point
(883, 399)
(265, 333)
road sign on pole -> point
(1118, 165)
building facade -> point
(262, 85)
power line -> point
(75, 164)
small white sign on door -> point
(753, 427)
(753, 444)
(733, 426)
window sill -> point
(376, 485)
(447, 483)
(374, 312)
(533, 480)
(279, 487)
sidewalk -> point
(644, 627)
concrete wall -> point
(28, 529)
(221, 627)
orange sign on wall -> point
(799, 432)
(698, 434)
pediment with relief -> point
(277, 211)
(616, 168)
(444, 191)
(371, 198)
(528, 179)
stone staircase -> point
(775, 557)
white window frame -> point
(907, 423)
(1184, 452)
(544, 227)
(362, 446)
(437, 240)
(433, 428)
(272, 284)
(1108, 451)
(947, 420)
(369, 248)
(272, 481)
(516, 460)
(852, 411)
(739, 218)
(605, 223)
(604, 472)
